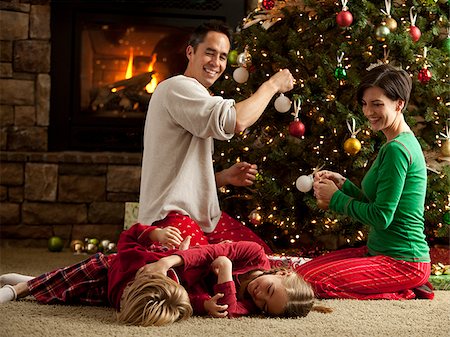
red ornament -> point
(415, 33)
(344, 18)
(268, 4)
(424, 75)
(296, 128)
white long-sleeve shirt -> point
(177, 169)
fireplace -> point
(107, 58)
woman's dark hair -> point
(199, 33)
(396, 83)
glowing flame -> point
(129, 72)
(154, 82)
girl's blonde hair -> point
(300, 297)
(154, 299)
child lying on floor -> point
(150, 285)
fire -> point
(151, 86)
(129, 73)
(154, 82)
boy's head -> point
(154, 300)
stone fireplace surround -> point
(72, 194)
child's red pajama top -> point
(135, 249)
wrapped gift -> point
(286, 261)
(131, 214)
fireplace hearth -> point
(107, 58)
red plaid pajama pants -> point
(83, 283)
(351, 273)
(227, 228)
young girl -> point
(122, 281)
(395, 263)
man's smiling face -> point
(208, 60)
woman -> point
(395, 263)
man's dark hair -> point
(199, 33)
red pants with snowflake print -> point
(227, 228)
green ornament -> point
(446, 45)
(55, 244)
(446, 218)
(340, 73)
(232, 56)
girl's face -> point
(382, 112)
(269, 293)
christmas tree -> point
(328, 46)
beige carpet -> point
(415, 318)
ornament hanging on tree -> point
(282, 103)
(389, 22)
(382, 32)
(268, 4)
(240, 75)
(414, 31)
(255, 218)
(424, 75)
(352, 145)
(296, 127)
(445, 145)
(344, 18)
(244, 59)
(340, 73)
(232, 57)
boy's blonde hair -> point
(154, 299)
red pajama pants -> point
(227, 228)
(85, 282)
(350, 273)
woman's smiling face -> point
(381, 111)
(269, 293)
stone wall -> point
(70, 194)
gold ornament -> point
(77, 246)
(255, 218)
(391, 24)
(352, 146)
(445, 148)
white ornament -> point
(282, 103)
(240, 75)
(304, 183)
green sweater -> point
(391, 201)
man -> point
(178, 184)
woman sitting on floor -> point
(395, 263)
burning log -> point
(124, 93)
